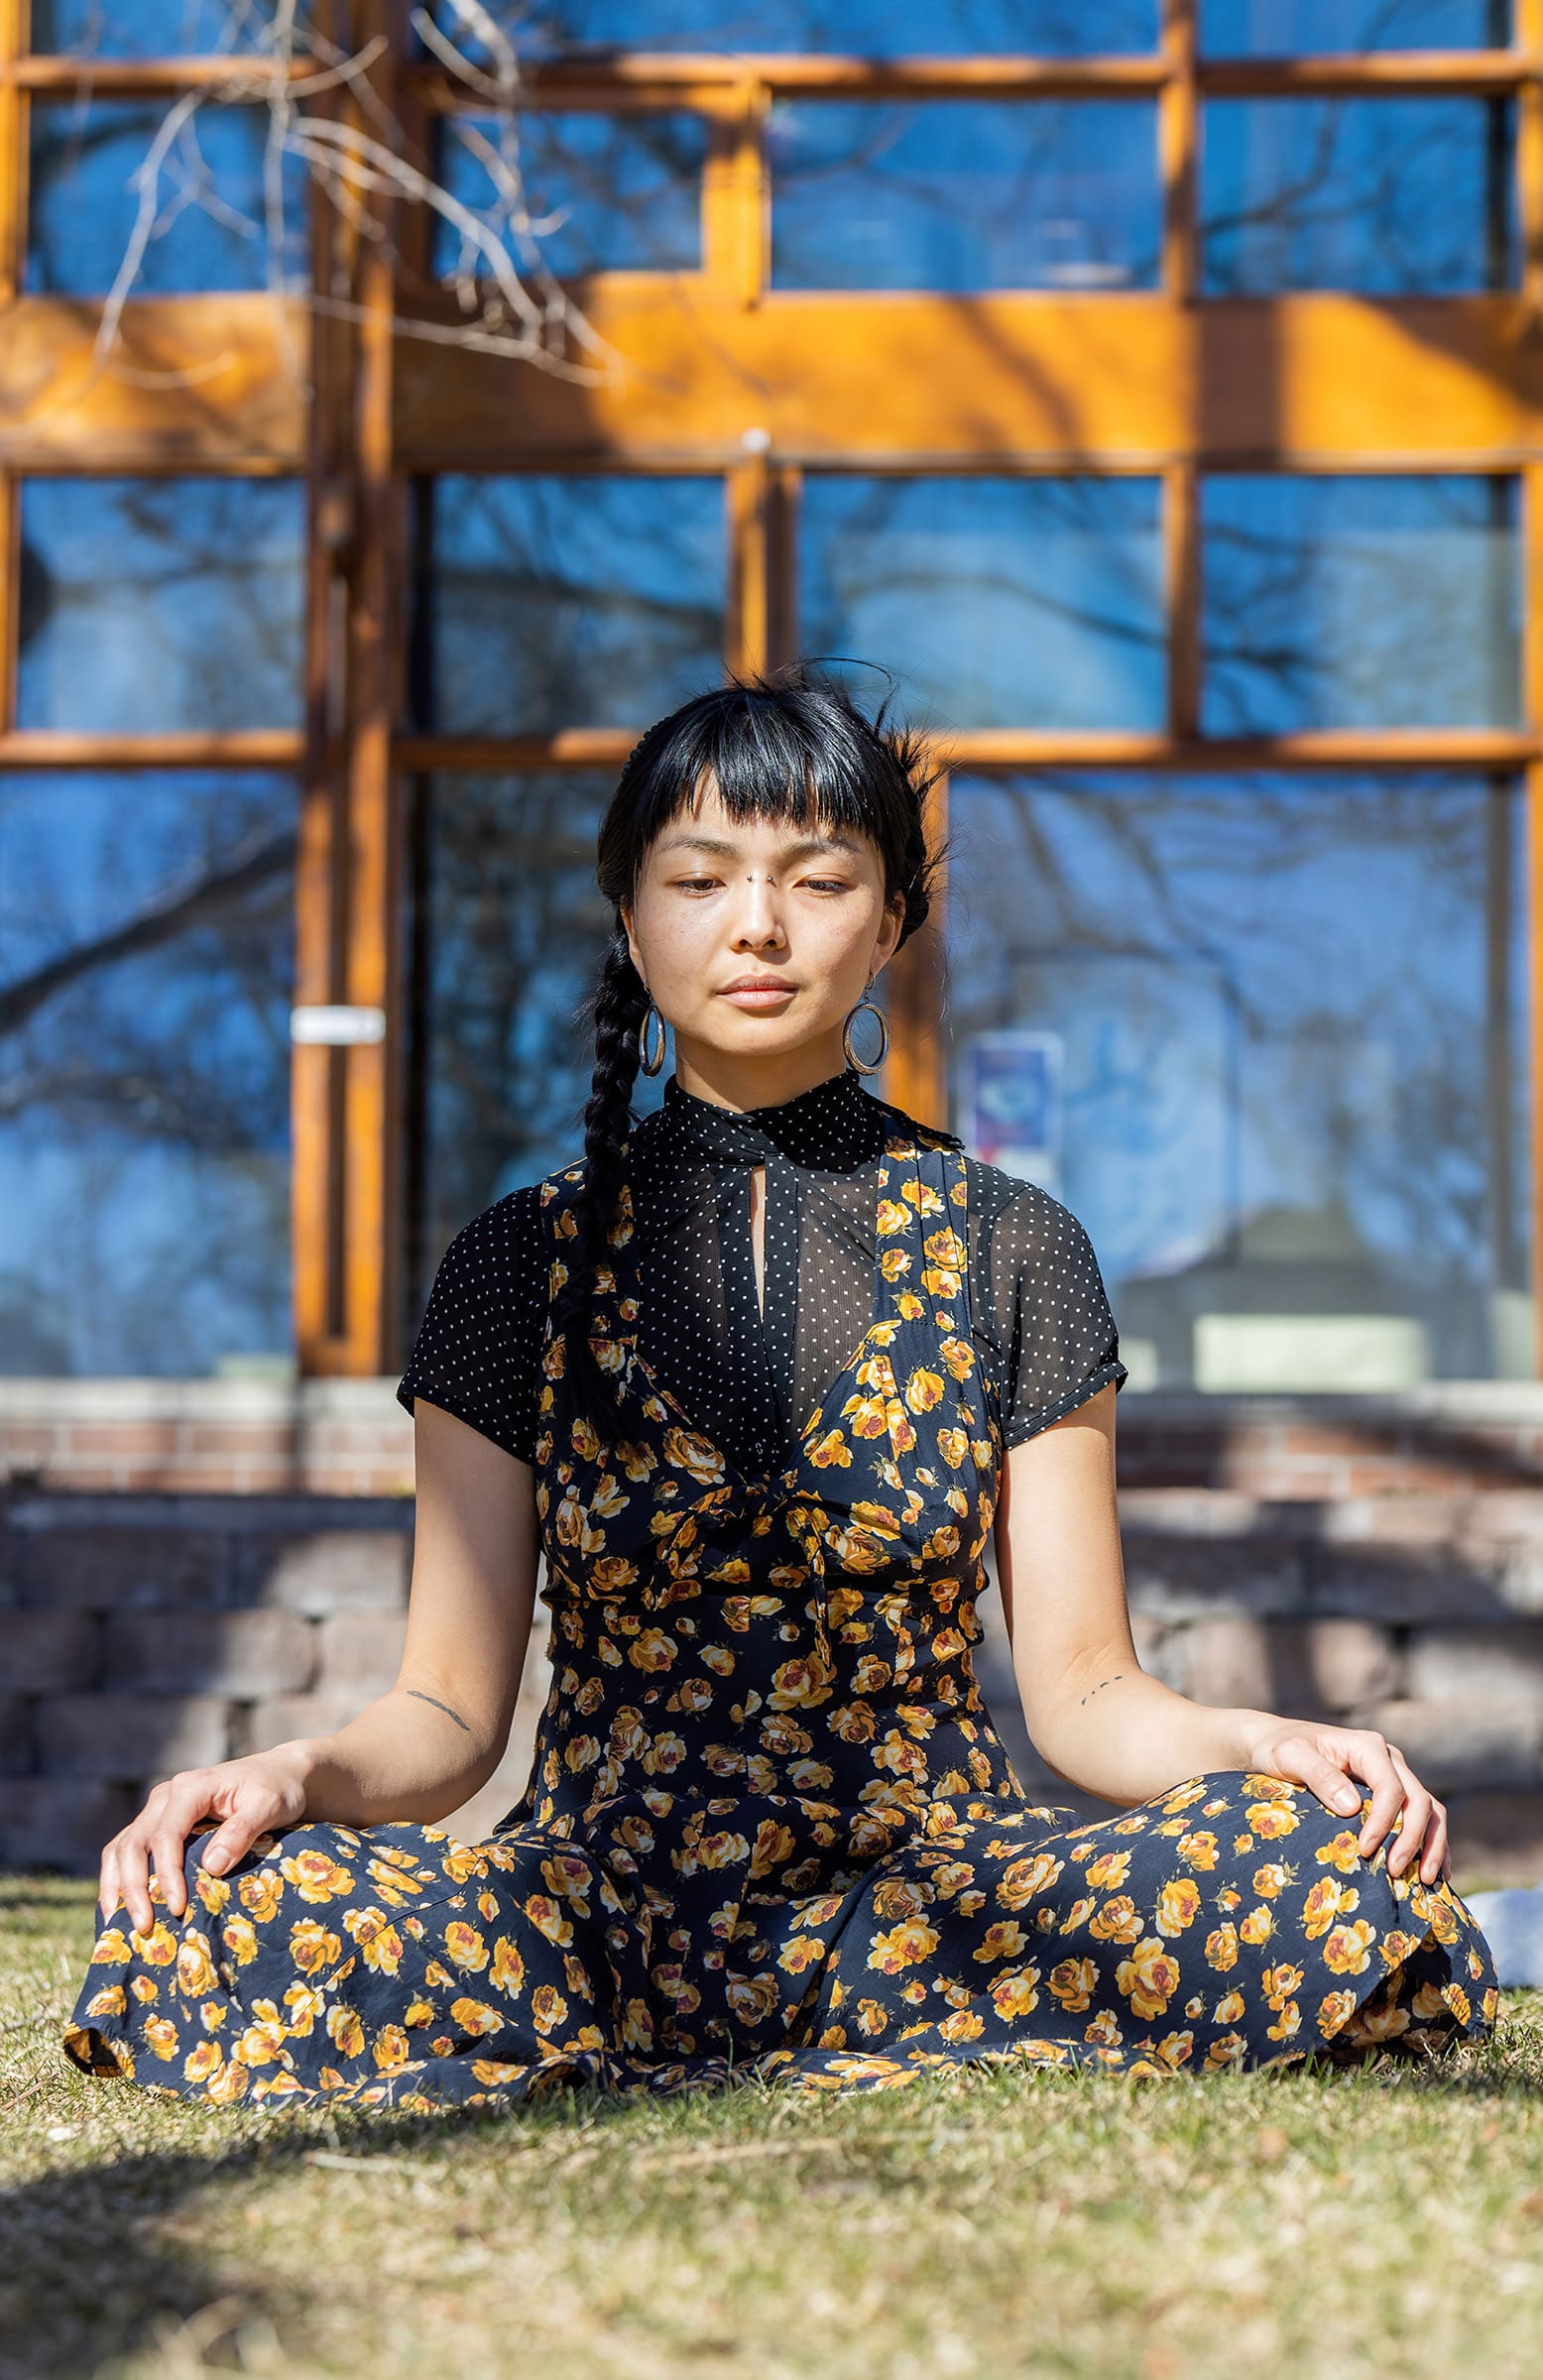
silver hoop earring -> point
(650, 1063)
(865, 1065)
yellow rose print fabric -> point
(770, 1832)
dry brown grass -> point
(1374, 2222)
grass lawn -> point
(1381, 2220)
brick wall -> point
(141, 1634)
(192, 1571)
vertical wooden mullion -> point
(1532, 695)
(915, 1074)
(1181, 595)
(750, 498)
(1178, 142)
(316, 1074)
(347, 1101)
(735, 197)
(786, 498)
(1528, 38)
(372, 1204)
(15, 32)
(1529, 149)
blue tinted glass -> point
(148, 28)
(161, 603)
(963, 195)
(1303, 1158)
(1360, 602)
(147, 931)
(861, 28)
(208, 225)
(1271, 28)
(1378, 194)
(999, 601)
(604, 192)
(570, 601)
(515, 928)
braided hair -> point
(774, 745)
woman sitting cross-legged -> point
(762, 1378)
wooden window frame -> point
(758, 385)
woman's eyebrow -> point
(720, 849)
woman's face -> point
(756, 938)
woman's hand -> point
(1326, 1758)
(251, 1796)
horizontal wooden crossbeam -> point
(1003, 381)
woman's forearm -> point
(1125, 1736)
(408, 1755)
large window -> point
(1144, 394)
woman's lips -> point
(758, 996)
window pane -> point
(999, 601)
(513, 931)
(963, 195)
(605, 193)
(1376, 195)
(147, 931)
(146, 28)
(1360, 602)
(1302, 1160)
(861, 28)
(208, 228)
(1271, 28)
(161, 603)
(585, 601)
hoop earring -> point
(651, 1064)
(857, 1064)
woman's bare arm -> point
(1096, 1716)
(418, 1750)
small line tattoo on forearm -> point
(1098, 1688)
(439, 1705)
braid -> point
(618, 1006)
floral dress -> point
(770, 1832)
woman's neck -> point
(728, 1079)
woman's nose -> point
(759, 918)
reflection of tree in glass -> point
(1027, 602)
(964, 194)
(1359, 600)
(593, 192)
(516, 928)
(152, 604)
(144, 1064)
(861, 28)
(1364, 1080)
(1384, 195)
(551, 600)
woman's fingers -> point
(1370, 1757)
(108, 1894)
(1316, 1771)
(231, 1843)
(134, 1881)
(1430, 1842)
(158, 1834)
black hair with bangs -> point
(777, 746)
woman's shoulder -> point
(522, 1218)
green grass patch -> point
(1370, 2221)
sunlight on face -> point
(756, 938)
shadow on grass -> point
(102, 2261)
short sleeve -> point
(1048, 1311)
(478, 1347)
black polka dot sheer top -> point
(748, 1366)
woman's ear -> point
(889, 933)
(624, 912)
